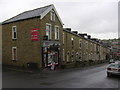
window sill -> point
(14, 60)
(56, 39)
(52, 20)
(14, 39)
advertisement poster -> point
(34, 34)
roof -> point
(39, 12)
(84, 38)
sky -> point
(98, 18)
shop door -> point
(52, 58)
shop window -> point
(14, 32)
(14, 53)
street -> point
(88, 77)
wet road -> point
(90, 77)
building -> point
(81, 48)
(37, 39)
(0, 43)
(32, 37)
(115, 47)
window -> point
(63, 55)
(14, 32)
(86, 45)
(52, 16)
(68, 56)
(95, 47)
(56, 32)
(48, 31)
(80, 44)
(63, 38)
(80, 56)
(72, 55)
(72, 42)
(91, 47)
(14, 53)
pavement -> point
(20, 69)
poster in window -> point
(34, 34)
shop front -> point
(50, 54)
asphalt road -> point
(90, 77)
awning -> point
(51, 43)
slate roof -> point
(28, 14)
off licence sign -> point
(34, 34)
(118, 54)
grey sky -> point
(99, 18)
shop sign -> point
(34, 34)
(118, 54)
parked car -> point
(111, 61)
(113, 69)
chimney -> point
(94, 39)
(76, 32)
(85, 34)
(89, 37)
(68, 29)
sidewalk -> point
(14, 68)
(47, 70)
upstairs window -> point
(91, 47)
(63, 55)
(14, 32)
(48, 31)
(86, 45)
(80, 44)
(63, 38)
(72, 42)
(95, 47)
(52, 15)
(56, 32)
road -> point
(89, 77)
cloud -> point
(91, 16)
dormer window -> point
(52, 15)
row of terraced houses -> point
(36, 38)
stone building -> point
(37, 39)
(32, 38)
(81, 48)
(0, 43)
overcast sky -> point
(98, 18)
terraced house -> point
(82, 49)
(37, 38)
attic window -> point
(52, 15)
